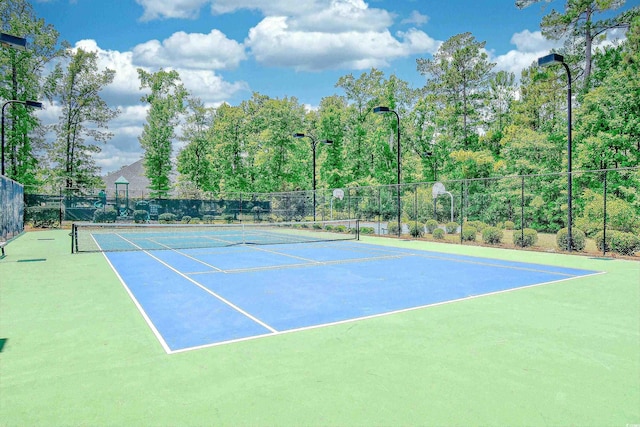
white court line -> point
(207, 290)
(374, 316)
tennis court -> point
(365, 332)
(209, 285)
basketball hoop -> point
(338, 193)
(438, 188)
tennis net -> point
(109, 237)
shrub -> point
(328, 227)
(208, 219)
(578, 239)
(167, 218)
(508, 225)
(619, 242)
(367, 230)
(140, 216)
(431, 225)
(438, 234)
(105, 215)
(478, 225)
(186, 219)
(317, 226)
(530, 237)
(228, 219)
(492, 235)
(416, 230)
(451, 227)
(195, 220)
(42, 217)
(469, 233)
(392, 228)
(341, 228)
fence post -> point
(415, 207)
(522, 212)
(604, 221)
(461, 207)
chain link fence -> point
(604, 201)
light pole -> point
(383, 110)
(7, 40)
(313, 148)
(546, 61)
(33, 104)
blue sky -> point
(227, 49)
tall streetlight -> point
(33, 104)
(384, 110)
(7, 40)
(545, 61)
(314, 143)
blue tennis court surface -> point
(194, 298)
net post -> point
(357, 229)
(73, 234)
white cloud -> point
(274, 44)
(156, 9)
(529, 47)
(213, 51)
(416, 18)
(527, 41)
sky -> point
(225, 50)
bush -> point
(328, 227)
(367, 230)
(140, 216)
(105, 215)
(208, 219)
(431, 225)
(619, 242)
(478, 225)
(578, 239)
(42, 217)
(509, 225)
(469, 233)
(167, 218)
(392, 228)
(229, 219)
(186, 219)
(492, 235)
(438, 234)
(451, 227)
(530, 237)
(341, 228)
(416, 230)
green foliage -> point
(479, 225)
(140, 216)
(578, 239)
(167, 218)
(530, 237)
(416, 230)
(186, 219)
(392, 228)
(208, 219)
(492, 235)
(621, 215)
(42, 217)
(438, 234)
(108, 214)
(367, 230)
(619, 242)
(509, 225)
(431, 225)
(469, 233)
(451, 227)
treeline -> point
(467, 121)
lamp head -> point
(298, 135)
(380, 110)
(33, 104)
(551, 59)
(7, 40)
(328, 142)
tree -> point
(166, 101)
(578, 23)
(84, 116)
(458, 74)
(195, 157)
(20, 79)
